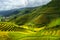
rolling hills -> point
(41, 22)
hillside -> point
(38, 16)
(39, 23)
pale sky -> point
(15, 4)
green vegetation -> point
(39, 23)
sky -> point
(15, 4)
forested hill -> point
(39, 16)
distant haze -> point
(15, 4)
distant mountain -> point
(10, 12)
(5, 13)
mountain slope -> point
(40, 15)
